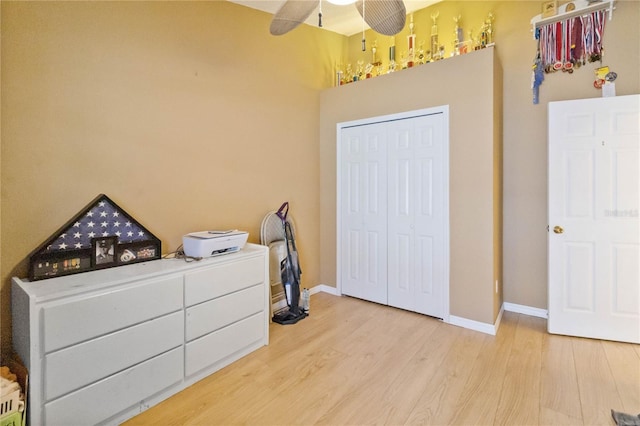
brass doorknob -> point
(558, 229)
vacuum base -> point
(288, 317)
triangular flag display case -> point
(101, 235)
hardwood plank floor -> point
(354, 362)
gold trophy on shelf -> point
(434, 37)
(459, 46)
(411, 41)
(392, 55)
(486, 32)
(375, 64)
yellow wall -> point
(189, 115)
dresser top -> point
(69, 285)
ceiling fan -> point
(383, 16)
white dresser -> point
(103, 346)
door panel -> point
(416, 215)
(363, 214)
(579, 288)
(594, 268)
(579, 181)
(625, 277)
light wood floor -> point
(354, 362)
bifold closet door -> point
(416, 257)
(363, 212)
(393, 214)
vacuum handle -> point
(283, 211)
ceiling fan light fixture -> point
(341, 2)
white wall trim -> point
(325, 289)
(482, 327)
(526, 310)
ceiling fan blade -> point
(291, 14)
(384, 16)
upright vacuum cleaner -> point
(290, 274)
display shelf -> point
(582, 8)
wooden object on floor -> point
(355, 362)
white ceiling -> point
(340, 19)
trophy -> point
(458, 44)
(359, 71)
(374, 50)
(411, 41)
(489, 25)
(422, 58)
(368, 71)
(486, 32)
(350, 75)
(392, 55)
(434, 33)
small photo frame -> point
(104, 251)
(549, 8)
(137, 252)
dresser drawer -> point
(76, 321)
(217, 313)
(99, 401)
(219, 280)
(77, 366)
(218, 345)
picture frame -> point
(103, 251)
(137, 252)
(549, 8)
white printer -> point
(213, 243)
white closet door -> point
(416, 215)
(363, 201)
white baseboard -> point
(526, 310)
(325, 289)
(482, 327)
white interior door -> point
(416, 215)
(363, 216)
(594, 235)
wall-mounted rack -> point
(582, 8)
